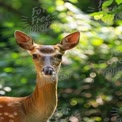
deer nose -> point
(48, 70)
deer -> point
(42, 103)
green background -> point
(90, 79)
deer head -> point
(47, 58)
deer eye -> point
(35, 56)
(59, 56)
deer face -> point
(47, 58)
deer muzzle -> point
(48, 70)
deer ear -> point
(70, 41)
(24, 40)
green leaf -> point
(97, 15)
(107, 3)
(118, 1)
(108, 18)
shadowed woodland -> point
(90, 79)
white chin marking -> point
(43, 73)
(53, 74)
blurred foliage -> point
(90, 85)
(110, 11)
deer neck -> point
(43, 100)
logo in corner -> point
(39, 21)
